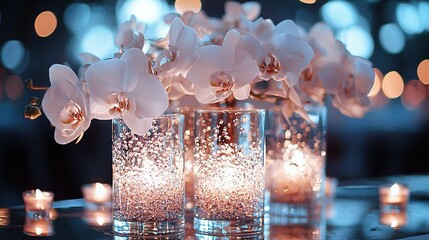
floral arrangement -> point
(238, 57)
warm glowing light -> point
(39, 194)
(394, 223)
(45, 24)
(423, 71)
(392, 85)
(394, 190)
(100, 221)
(414, 94)
(308, 1)
(187, 5)
(377, 83)
(38, 231)
(53, 214)
(99, 189)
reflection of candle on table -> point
(394, 219)
(394, 195)
(97, 193)
(38, 227)
(37, 201)
(98, 217)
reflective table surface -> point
(354, 213)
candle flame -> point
(38, 231)
(394, 223)
(99, 189)
(39, 194)
(100, 221)
(394, 189)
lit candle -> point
(394, 219)
(4, 217)
(38, 202)
(38, 227)
(97, 193)
(395, 195)
(98, 217)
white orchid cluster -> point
(212, 59)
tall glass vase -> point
(296, 151)
(229, 171)
(148, 178)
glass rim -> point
(239, 110)
(160, 117)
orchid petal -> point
(242, 93)
(244, 69)
(230, 42)
(176, 27)
(209, 61)
(205, 95)
(137, 125)
(286, 27)
(251, 45)
(135, 60)
(252, 9)
(59, 73)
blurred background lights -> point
(76, 16)
(187, 5)
(377, 83)
(339, 14)
(423, 71)
(423, 9)
(308, 1)
(12, 54)
(414, 94)
(148, 11)
(408, 18)
(358, 41)
(99, 41)
(45, 24)
(392, 85)
(391, 38)
(14, 87)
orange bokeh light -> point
(308, 1)
(45, 24)
(423, 71)
(392, 85)
(187, 5)
(377, 83)
(414, 94)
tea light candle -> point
(395, 195)
(394, 219)
(38, 202)
(97, 193)
(38, 227)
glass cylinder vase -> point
(148, 178)
(229, 171)
(296, 151)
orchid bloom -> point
(177, 87)
(124, 88)
(351, 97)
(181, 52)
(86, 60)
(197, 21)
(279, 52)
(65, 104)
(220, 71)
(130, 35)
(236, 12)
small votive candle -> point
(394, 197)
(38, 227)
(37, 203)
(97, 193)
(394, 219)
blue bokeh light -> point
(408, 18)
(391, 38)
(358, 41)
(76, 16)
(12, 54)
(99, 41)
(339, 14)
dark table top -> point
(353, 214)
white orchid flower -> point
(279, 52)
(130, 35)
(65, 104)
(177, 87)
(181, 52)
(124, 88)
(220, 71)
(197, 21)
(86, 60)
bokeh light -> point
(423, 9)
(414, 94)
(187, 5)
(392, 85)
(12, 54)
(358, 41)
(391, 38)
(76, 16)
(377, 83)
(45, 23)
(339, 14)
(148, 11)
(99, 41)
(308, 1)
(14, 86)
(408, 18)
(423, 71)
